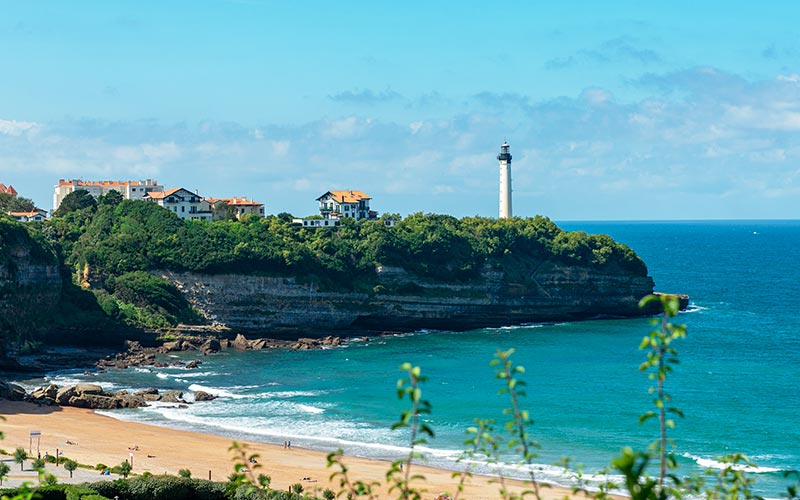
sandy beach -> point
(101, 439)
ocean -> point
(738, 381)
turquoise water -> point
(738, 380)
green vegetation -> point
(111, 251)
(20, 455)
(11, 203)
(4, 470)
(71, 466)
(76, 200)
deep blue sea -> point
(738, 381)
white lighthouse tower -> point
(505, 181)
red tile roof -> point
(347, 196)
(235, 201)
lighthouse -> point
(505, 181)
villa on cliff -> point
(337, 205)
(184, 203)
(130, 190)
(37, 214)
(239, 207)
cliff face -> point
(30, 289)
(401, 301)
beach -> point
(100, 439)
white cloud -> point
(700, 134)
(280, 148)
(15, 128)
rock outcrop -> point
(547, 292)
(94, 397)
(30, 289)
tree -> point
(125, 468)
(185, 473)
(20, 455)
(4, 469)
(76, 200)
(112, 198)
(11, 203)
(38, 463)
(70, 465)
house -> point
(186, 204)
(221, 207)
(339, 204)
(8, 189)
(37, 214)
(130, 190)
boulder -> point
(176, 345)
(258, 344)
(193, 364)
(172, 397)
(12, 392)
(203, 396)
(150, 394)
(64, 394)
(129, 400)
(93, 401)
(45, 392)
(210, 346)
(88, 389)
(240, 343)
(133, 345)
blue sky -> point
(614, 110)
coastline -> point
(102, 439)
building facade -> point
(239, 207)
(344, 204)
(184, 203)
(34, 215)
(130, 190)
(337, 205)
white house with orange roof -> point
(37, 214)
(184, 203)
(337, 205)
(240, 207)
(345, 204)
(130, 190)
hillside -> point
(144, 267)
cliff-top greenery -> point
(116, 237)
(109, 246)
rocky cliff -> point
(30, 289)
(401, 301)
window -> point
(183, 208)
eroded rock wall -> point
(401, 301)
(29, 293)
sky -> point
(614, 110)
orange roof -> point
(25, 214)
(235, 201)
(163, 194)
(347, 196)
(62, 182)
(8, 190)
